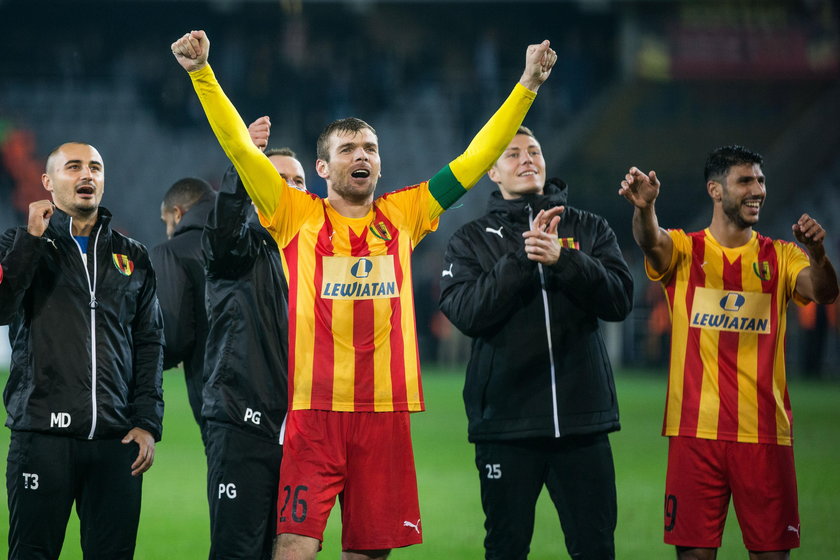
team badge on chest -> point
(123, 264)
(569, 243)
(762, 270)
(380, 230)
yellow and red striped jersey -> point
(352, 339)
(726, 376)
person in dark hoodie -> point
(84, 397)
(246, 394)
(529, 282)
(179, 264)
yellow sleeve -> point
(265, 186)
(454, 180)
(681, 247)
(794, 261)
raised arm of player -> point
(817, 282)
(451, 182)
(641, 191)
(261, 180)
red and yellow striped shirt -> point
(726, 377)
(352, 339)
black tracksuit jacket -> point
(179, 264)
(87, 338)
(247, 307)
(517, 386)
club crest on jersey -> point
(569, 243)
(123, 264)
(762, 270)
(380, 230)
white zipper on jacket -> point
(92, 304)
(547, 316)
(283, 428)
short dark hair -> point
(526, 131)
(186, 192)
(284, 151)
(54, 152)
(722, 159)
(350, 124)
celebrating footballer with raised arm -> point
(352, 335)
(728, 414)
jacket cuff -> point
(155, 430)
(28, 242)
(522, 259)
(566, 269)
(230, 181)
(21, 259)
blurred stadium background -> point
(656, 83)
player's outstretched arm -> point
(818, 282)
(261, 180)
(451, 182)
(641, 191)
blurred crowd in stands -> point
(307, 63)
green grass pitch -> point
(174, 521)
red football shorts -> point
(760, 478)
(364, 458)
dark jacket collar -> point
(196, 216)
(60, 221)
(555, 193)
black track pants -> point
(579, 475)
(45, 474)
